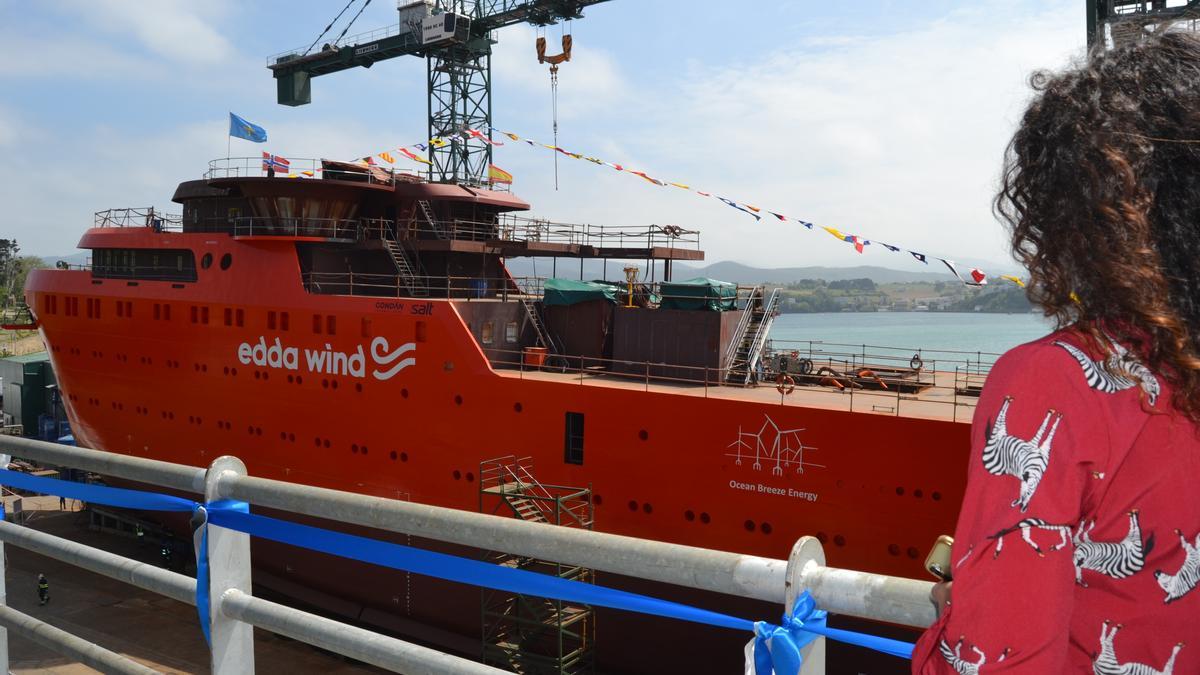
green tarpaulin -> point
(699, 293)
(570, 292)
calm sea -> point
(910, 331)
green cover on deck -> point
(699, 293)
(570, 292)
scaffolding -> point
(528, 634)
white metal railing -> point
(252, 167)
(234, 610)
(139, 217)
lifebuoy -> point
(917, 362)
(785, 384)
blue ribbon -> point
(776, 647)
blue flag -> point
(240, 128)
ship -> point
(360, 330)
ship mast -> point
(455, 37)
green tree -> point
(21, 268)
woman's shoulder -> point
(1055, 354)
(1070, 359)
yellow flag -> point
(438, 142)
(387, 157)
(681, 186)
(1013, 279)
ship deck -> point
(940, 401)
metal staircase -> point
(406, 268)
(431, 219)
(754, 328)
(529, 634)
(545, 339)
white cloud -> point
(589, 83)
(173, 29)
(898, 137)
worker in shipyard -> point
(43, 589)
(1078, 546)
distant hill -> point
(80, 258)
(725, 271)
(737, 272)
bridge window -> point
(573, 442)
(149, 264)
(487, 335)
(511, 333)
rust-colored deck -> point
(939, 402)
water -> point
(968, 332)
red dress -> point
(1078, 546)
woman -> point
(1078, 545)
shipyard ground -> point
(153, 630)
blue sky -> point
(886, 119)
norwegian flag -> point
(275, 162)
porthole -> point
(392, 455)
(404, 457)
(597, 500)
(765, 528)
(458, 399)
(689, 515)
(226, 261)
(643, 435)
(633, 506)
(749, 525)
(647, 508)
(206, 261)
(705, 518)
(894, 549)
(457, 474)
(517, 407)
(839, 540)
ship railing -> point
(514, 228)
(897, 392)
(234, 611)
(146, 216)
(302, 168)
(342, 229)
(423, 287)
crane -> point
(455, 37)
(1116, 22)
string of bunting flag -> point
(973, 277)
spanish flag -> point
(498, 175)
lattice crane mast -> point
(1116, 22)
(455, 37)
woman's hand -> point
(940, 595)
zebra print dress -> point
(1078, 544)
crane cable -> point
(554, 60)
(360, 11)
(335, 20)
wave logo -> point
(382, 356)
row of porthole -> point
(911, 551)
(458, 475)
(207, 260)
(919, 493)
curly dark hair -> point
(1101, 189)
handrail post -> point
(3, 594)
(806, 554)
(229, 568)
